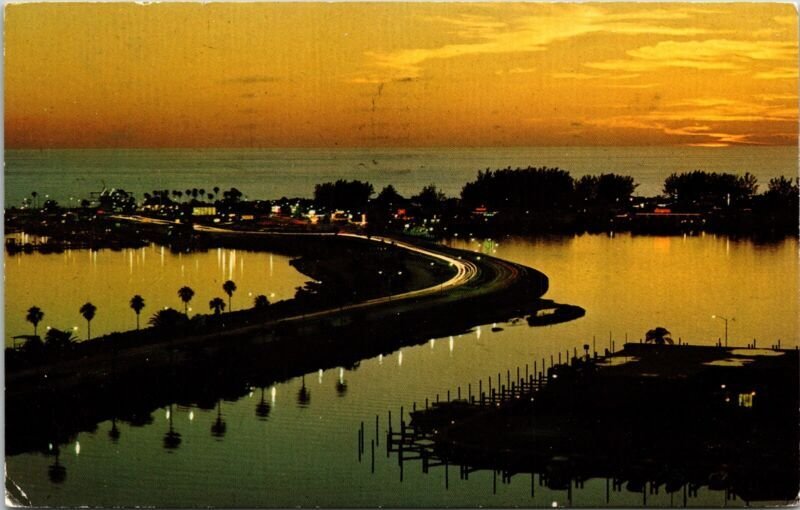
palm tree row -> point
(137, 304)
(35, 316)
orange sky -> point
(395, 74)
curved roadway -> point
(466, 270)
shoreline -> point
(259, 353)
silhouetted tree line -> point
(521, 188)
(699, 190)
(348, 195)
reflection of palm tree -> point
(262, 408)
(137, 304)
(341, 384)
(229, 287)
(218, 427)
(172, 439)
(114, 432)
(304, 395)
(217, 304)
(186, 294)
(56, 472)
(88, 310)
(658, 336)
(35, 316)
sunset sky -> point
(400, 75)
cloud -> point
(710, 54)
(712, 121)
(525, 34)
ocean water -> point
(69, 175)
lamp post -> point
(726, 325)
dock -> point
(647, 418)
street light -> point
(726, 325)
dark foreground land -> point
(649, 417)
(126, 376)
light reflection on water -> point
(60, 283)
(304, 453)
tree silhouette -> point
(343, 194)
(168, 320)
(217, 304)
(186, 294)
(261, 301)
(229, 287)
(88, 310)
(56, 339)
(34, 316)
(658, 336)
(137, 304)
(34, 194)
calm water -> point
(272, 173)
(110, 278)
(306, 455)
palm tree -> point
(34, 194)
(137, 304)
(57, 339)
(261, 301)
(88, 310)
(186, 294)
(658, 336)
(168, 320)
(35, 316)
(229, 287)
(217, 304)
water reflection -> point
(108, 280)
(272, 466)
(304, 395)
(56, 472)
(262, 408)
(114, 433)
(172, 438)
(219, 427)
(341, 384)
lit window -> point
(746, 399)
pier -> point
(647, 418)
